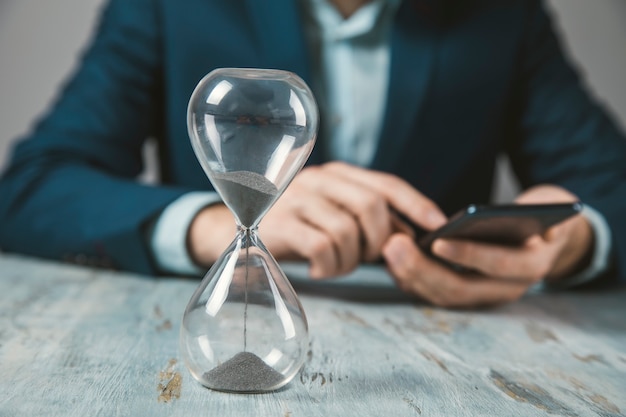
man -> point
(417, 99)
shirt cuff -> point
(601, 253)
(169, 236)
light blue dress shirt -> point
(351, 76)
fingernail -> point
(436, 218)
(394, 253)
(315, 272)
(443, 248)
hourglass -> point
(244, 329)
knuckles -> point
(318, 246)
(539, 271)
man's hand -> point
(209, 234)
(336, 216)
(502, 273)
(333, 216)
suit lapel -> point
(412, 50)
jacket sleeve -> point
(70, 189)
(560, 135)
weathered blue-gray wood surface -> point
(83, 342)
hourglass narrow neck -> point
(247, 231)
(248, 237)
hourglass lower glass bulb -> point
(244, 329)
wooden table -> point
(83, 342)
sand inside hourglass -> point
(248, 193)
(244, 372)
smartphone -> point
(508, 225)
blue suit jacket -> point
(467, 83)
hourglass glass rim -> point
(252, 73)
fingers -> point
(330, 221)
(334, 230)
(340, 215)
(528, 263)
(313, 245)
(399, 194)
(401, 226)
(373, 198)
(419, 275)
(573, 238)
(315, 230)
(545, 193)
(368, 208)
(556, 253)
(499, 273)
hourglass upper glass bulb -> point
(252, 131)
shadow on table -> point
(368, 283)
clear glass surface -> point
(244, 329)
(252, 131)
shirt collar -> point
(333, 26)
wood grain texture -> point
(83, 342)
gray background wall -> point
(40, 42)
